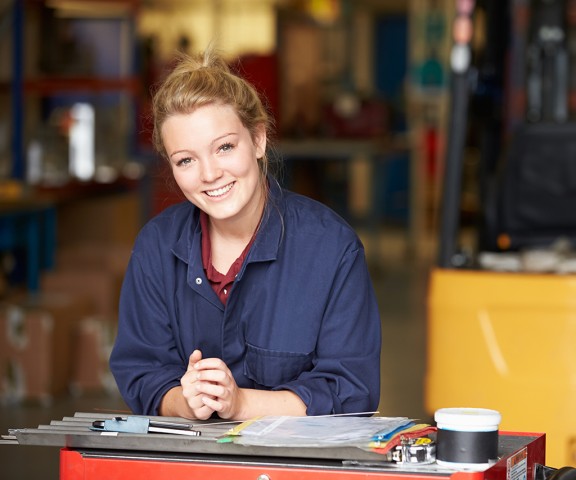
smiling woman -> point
(245, 299)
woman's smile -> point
(220, 191)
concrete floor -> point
(400, 281)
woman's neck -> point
(228, 238)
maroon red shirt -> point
(221, 283)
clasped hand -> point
(208, 386)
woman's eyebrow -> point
(221, 137)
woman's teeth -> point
(220, 191)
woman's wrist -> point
(173, 404)
(262, 402)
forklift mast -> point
(526, 181)
(460, 68)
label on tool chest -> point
(517, 466)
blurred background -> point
(440, 129)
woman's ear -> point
(260, 140)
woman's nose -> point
(210, 170)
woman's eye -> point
(226, 147)
(183, 161)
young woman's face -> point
(214, 161)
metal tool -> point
(136, 424)
(414, 451)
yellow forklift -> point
(502, 320)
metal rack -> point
(46, 85)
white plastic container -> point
(82, 162)
(467, 438)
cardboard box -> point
(102, 287)
(107, 219)
(36, 337)
(112, 258)
(91, 269)
(93, 341)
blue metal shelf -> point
(17, 90)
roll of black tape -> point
(466, 447)
(467, 438)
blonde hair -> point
(202, 80)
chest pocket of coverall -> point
(271, 368)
